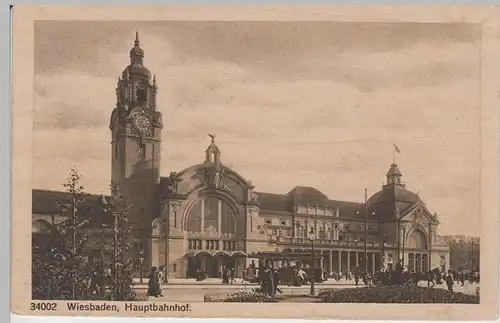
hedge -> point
(395, 294)
(249, 297)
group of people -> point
(156, 279)
(227, 275)
(270, 282)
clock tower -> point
(136, 127)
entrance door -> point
(211, 267)
(193, 265)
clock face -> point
(141, 123)
(141, 85)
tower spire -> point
(136, 53)
(136, 42)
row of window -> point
(345, 226)
(199, 244)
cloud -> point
(288, 109)
(72, 100)
(84, 45)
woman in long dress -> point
(153, 290)
(225, 275)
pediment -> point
(226, 179)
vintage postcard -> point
(235, 161)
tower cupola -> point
(136, 53)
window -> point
(341, 237)
(362, 239)
(141, 92)
(268, 221)
(174, 268)
(283, 222)
(41, 226)
(116, 150)
(417, 240)
(213, 211)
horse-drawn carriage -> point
(395, 277)
(285, 263)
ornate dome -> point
(394, 197)
(136, 69)
(308, 195)
(136, 66)
(396, 193)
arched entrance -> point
(210, 226)
(213, 263)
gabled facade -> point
(209, 215)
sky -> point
(292, 103)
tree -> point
(59, 270)
(120, 278)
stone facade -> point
(208, 215)
(464, 252)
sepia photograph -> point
(272, 210)
(184, 162)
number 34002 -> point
(43, 306)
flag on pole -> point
(396, 148)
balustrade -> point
(327, 242)
(211, 244)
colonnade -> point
(341, 260)
(418, 262)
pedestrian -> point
(231, 276)
(270, 285)
(152, 283)
(161, 278)
(225, 275)
(356, 277)
(276, 281)
(461, 277)
(449, 281)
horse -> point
(428, 276)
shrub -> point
(249, 297)
(395, 294)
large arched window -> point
(417, 240)
(211, 215)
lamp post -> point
(365, 254)
(279, 235)
(404, 238)
(312, 236)
(382, 257)
(298, 229)
(141, 260)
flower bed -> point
(249, 297)
(395, 294)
